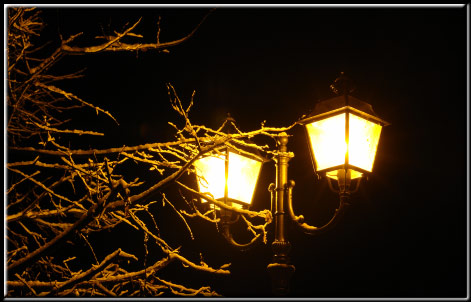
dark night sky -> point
(406, 234)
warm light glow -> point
(363, 141)
(353, 174)
(211, 175)
(243, 174)
(241, 177)
(328, 143)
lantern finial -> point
(230, 118)
(342, 85)
(229, 126)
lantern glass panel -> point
(210, 173)
(363, 142)
(242, 177)
(327, 138)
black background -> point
(406, 234)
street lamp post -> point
(343, 134)
(280, 269)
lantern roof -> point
(230, 126)
(342, 103)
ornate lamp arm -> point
(312, 230)
(228, 235)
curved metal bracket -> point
(226, 216)
(242, 247)
(331, 187)
(312, 230)
(357, 185)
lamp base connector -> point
(280, 274)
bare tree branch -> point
(60, 197)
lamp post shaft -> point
(281, 180)
(280, 269)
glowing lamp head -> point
(343, 134)
(229, 175)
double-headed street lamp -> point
(343, 134)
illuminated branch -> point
(20, 264)
(168, 180)
(115, 43)
(204, 216)
(99, 48)
(57, 194)
(174, 253)
(184, 291)
(266, 214)
(266, 131)
(92, 271)
(44, 187)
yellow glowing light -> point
(363, 142)
(211, 175)
(353, 174)
(242, 175)
(328, 143)
(330, 147)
